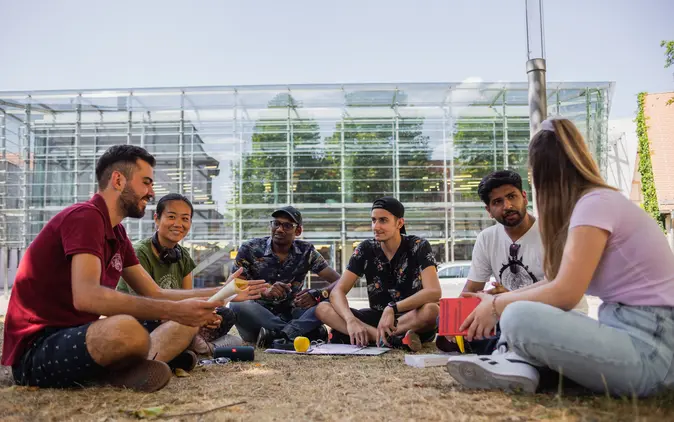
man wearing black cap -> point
(402, 285)
(286, 310)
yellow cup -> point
(301, 344)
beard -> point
(513, 222)
(282, 241)
(129, 202)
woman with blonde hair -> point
(595, 241)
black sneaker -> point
(319, 333)
(228, 319)
(267, 336)
(475, 347)
(186, 361)
(335, 337)
(283, 344)
(410, 341)
(447, 346)
(427, 336)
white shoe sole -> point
(473, 375)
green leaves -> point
(669, 52)
(645, 165)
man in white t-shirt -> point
(511, 251)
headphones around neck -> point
(166, 255)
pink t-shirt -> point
(637, 267)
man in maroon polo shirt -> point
(66, 280)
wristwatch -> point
(394, 306)
(319, 295)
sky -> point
(83, 44)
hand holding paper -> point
(243, 289)
(230, 289)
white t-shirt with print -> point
(492, 257)
(515, 265)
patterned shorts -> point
(371, 317)
(59, 358)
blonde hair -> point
(563, 171)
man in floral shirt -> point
(402, 285)
(286, 310)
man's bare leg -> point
(117, 341)
(120, 344)
(420, 320)
(169, 340)
(327, 314)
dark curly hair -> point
(497, 179)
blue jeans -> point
(629, 351)
(251, 316)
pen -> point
(459, 342)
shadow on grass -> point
(576, 403)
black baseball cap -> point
(291, 212)
(393, 206)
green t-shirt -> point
(167, 276)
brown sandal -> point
(201, 347)
(147, 376)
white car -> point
(453, 277)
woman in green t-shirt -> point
(170, 266)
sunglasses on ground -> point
(216, 361)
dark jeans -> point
(479, 347)
(228, 321)
(252, 315)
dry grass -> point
(320, 388)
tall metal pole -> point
(538, 107)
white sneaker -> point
(502, 371)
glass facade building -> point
(240, 152)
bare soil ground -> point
(319, 388)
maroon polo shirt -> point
(42, 295)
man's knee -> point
(178, 330)
(244, 308)
(323, 310)
(428, 313)
(123, 332)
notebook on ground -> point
(428, 360)
(336, 349)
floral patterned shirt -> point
(260, 263)
(395, 280)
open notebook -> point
(335, 349)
